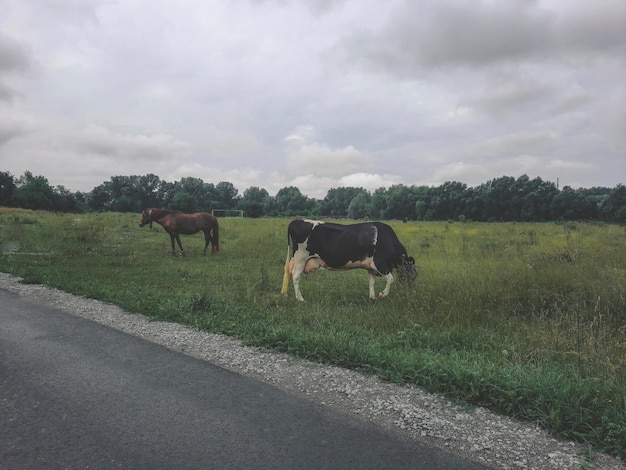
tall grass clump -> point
(528, 320)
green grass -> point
(528, 320)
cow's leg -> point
(287, 272)
(296, 284)
(299, 262)
(372, 281)
(389, 278)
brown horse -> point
(176, 223)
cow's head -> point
(145, 218)
(407, 271)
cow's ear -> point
(411, 260)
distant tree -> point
(125, 194)
(586, 206)
(147, 191)
(124, 197)
(254, 193)
(378, 204)
(447, 201)
(34, 192)
(289, 201)
(500, 200)
(338, 200)
(98, 199)
(421, 195)
(573, 204)
(7, 189)
(474, 204)
(537, 197)
(165, 193)
(400, 203)
(255, 202)
(613, 209)
(198, 195)
(359, 206)
(183, 202)
(203, 196)
(123, 203)
(66, 201)
(510, 199)
(226, 196)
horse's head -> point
(407, 271)
(145, 218)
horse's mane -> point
(158, 213)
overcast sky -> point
(314, 93)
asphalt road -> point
(76, 394)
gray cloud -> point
(316, 94)
(12, 55)
(8, 93)
(9, 128)
(432, 34)
(572, 99)
(14, 59)
(509, 93)
(596, 28)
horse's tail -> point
(215, 247)
(287, 271)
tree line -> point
(501, 199)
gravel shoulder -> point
(477, 434)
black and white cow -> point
(372, 246)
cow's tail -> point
(287, 272)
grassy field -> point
(528, 320)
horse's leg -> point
(207, 239)
(182, 252)
(172, 238)
(215, 238)
(211, 235)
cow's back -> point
(339, 245)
